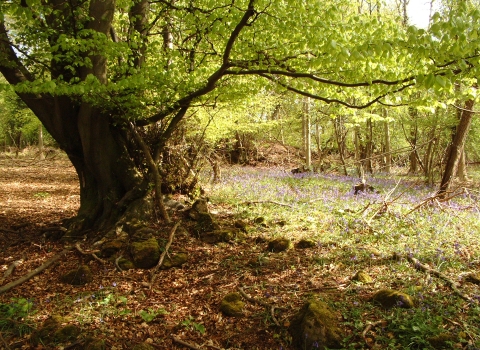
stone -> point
(146, 253)
(204, 224)
(78, 277)
(279, 245)
(315, 326)
(217, 236)
(53, 330)
(200, 206)
(232, 305)
(362, 276)
(305, 244)
(442, 340)
(389, 298)
(112, 247)
(176, 260)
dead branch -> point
(117, 265)
(162, 257)
(35, 272)
(436, 197)
(184, 343)
(419, 266)
(271, 202)
(368, 328)
(92, 253)
(261, 302)
(11, 268)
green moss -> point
(176, 260)
(388, 298)
(232, 305)
(78, 277)
(143, 346)
(126, 264)
(305, 244)
(205, 223)
(110, 248)
(66, 333)
(442, 340)
(279, 245)
(362, 276)
(218, 236)
(145, 253)
(94, 344)
(315, 327)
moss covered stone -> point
(94, 344)
(232, 305)
(305, 244)
(54, 330)
(315, 327)
(362, 276)
(389, 298)
(443, 340)
(112, 247)
(78, 277)
(204, 224)
(143, 346)
(218, 236)
(126, 264)
(279, 245)
(176, 260)
(145, 253)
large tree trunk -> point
(456, 148)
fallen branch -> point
(419, 266)
(261, 302)
(436, 197)
(271, 202)
(11, 268)
(92, 253)
(184, 343)
(367, 329)
(117, 265)
(35, 272)
(162, 257)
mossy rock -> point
(132, 226)
(259, 220)
(279, 245)
(232, 305)
(94, 344)
(52, 330)
(362, 276)
(205, 223)
(389, 298)
(176, 260)
(145, 253)
(126, 264)
(199, 207)
(78, 277)
(315, 326)
(218, 236)
(305, 244)
(143, 346)
(473, 278)
(241, 225)
(112, 247)
(442, 340)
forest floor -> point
(352, 233)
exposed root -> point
(33, 273)
(162, 257)
(117, 265)
(184, 343)
(419, 266)
(367, 329)
(92, 253)
(261, 302)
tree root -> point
(261, 302)
(419, 266)
(35, 272)
(162, 257)
(271, 202)
(92, 253)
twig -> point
(4, 342)
(184, 343)
(434, 198)
(117, 265)
(162, 257)
(367, 329)
(261, 302)
(39, 269)
(92, 253)
(418, 265)
(272, 202)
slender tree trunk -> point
(340, 143)
(369, 146)
(388, 155)
(307, 140)
(456, 148)
(40, 142)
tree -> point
(95, 72)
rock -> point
(125, 264)
(217, 236)
(176, 260)
(200, 206)
(304, 244)
(240, 224)
(363, 277)
(389, 298)
(260, 240)
(145, 253)
(174, 205)
(94, 344)
(279, 245)
(78, 277)
(232, 305)
(314, 326)
(112, 247)
(205, 223)
(52, 330)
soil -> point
(38, 195)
